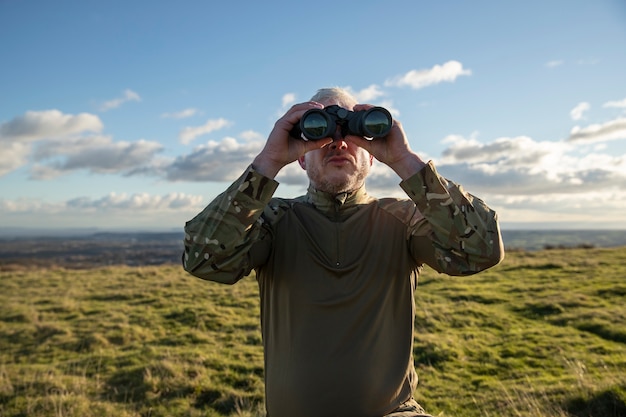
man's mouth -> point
(339, 159)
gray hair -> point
(338, 94)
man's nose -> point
(338, 140)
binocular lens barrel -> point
(376, 123)
(318, 124)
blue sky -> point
(135, 114)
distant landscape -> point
(87, 248)
(553, 239)
(93, 250)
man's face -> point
(339, 167)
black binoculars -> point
(318, 124)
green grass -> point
(543, 334)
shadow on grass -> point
(604, 404)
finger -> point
(298, 110)
(294, 114)
(360, 107)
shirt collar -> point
(342, 204)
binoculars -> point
(318, 124)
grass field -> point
(543, 334)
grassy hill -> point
(543, 334)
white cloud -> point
(368, 94)
(251, 135)
(555, 63)
(136, 202)
(506, 165)
(611, 130)
(590, 61)
(512, 152)
(183, 114)
(108, 205)
(190, 133)
(383, 182)
(38, 125)
(113, 210)
(288, 100)
(618, 103)
(577, 112)
(13, 156)
(580, 208)
(417, 79)
(129, 95)
(97, 154)
(214, 161)
(293, 174)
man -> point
(336, 268)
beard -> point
(338, 181)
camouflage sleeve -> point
(458, 234)
(218, 240)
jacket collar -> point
(337, 205)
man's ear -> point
(371, 159)
(302, 162)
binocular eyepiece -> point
(318, 124)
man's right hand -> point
(281, 149)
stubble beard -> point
(327, 184)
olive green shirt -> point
(337, 276)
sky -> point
(120, 115)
